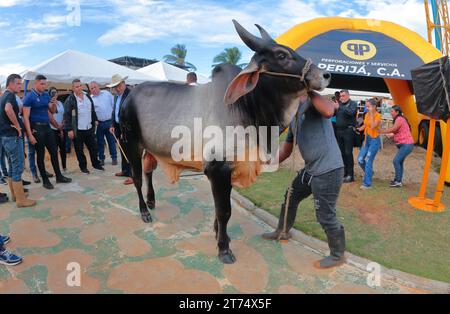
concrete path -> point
(94, 224)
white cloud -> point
(409, 13)
(12, 3)
(33, 38)
(7, 69)
(205, 22)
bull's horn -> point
(265, 35)
(254, 43)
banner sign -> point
(361, 53)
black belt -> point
(105, 120)
(344, 128)
(40, 123)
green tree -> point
(229, 55)
(178, 58)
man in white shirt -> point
(80, 125)
(103, 104)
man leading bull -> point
(322, 176)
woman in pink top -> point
(404, 141)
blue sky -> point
(33, 31)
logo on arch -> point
(358, 49)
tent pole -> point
(445, 158)
(430, 148)
(421, 202)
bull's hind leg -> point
(135, 159)
(219, 175)
(150, 165)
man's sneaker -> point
(24, 182)
(3, 181)
(364, 187)
(8, 258)
(85, 170)
(3, 198)
(100, 168)
(102, 162)
(114, 162)
(5, 239)
(395, 184)
(36, 179)
(63, 179)
(48, 185)
(49, 175)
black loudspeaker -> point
(431, 83)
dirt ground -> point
(383, 167)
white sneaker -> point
(364, 187)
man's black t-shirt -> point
(5, 124)
(346, 115)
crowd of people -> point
(48, 124)
(329, 165)
(347, 129)
(88, 118)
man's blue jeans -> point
(102, 132)
(32, 159)
(3, 161)
(367, 156)
(16, 157)
(403, 151)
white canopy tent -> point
(70, 65)
(167, 72)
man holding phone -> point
(37, 115)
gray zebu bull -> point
(252, 97)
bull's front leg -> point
(219, 175)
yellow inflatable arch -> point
(401, 93)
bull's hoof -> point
(151, 204)
(146, 217)
(227, 257)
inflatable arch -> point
(365, 54)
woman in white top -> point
(57, 127)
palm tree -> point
(229, 55)
(178, 57)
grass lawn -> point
(380, 224)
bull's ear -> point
(243, 83)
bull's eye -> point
(281, 56)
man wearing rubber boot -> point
(11, 136)
(322, 176)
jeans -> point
(102, 132)
(403, 151)
(13, 146)
(367, 156)
(86, 137)
(325, 190)
(3, 161)
(32, 159)
(45, 139)
(345, 138)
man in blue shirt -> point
(12, 141)
(37, 117)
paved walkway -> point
(95, 223)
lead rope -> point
(302, 77)
(290, 188)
